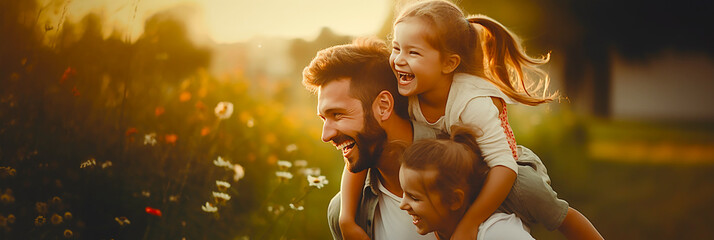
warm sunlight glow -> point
(226, 21)
(231, 20)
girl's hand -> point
(352, 231)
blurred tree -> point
(303, 51)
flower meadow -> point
(104, 138)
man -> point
(363, 112)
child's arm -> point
(498, 184)
(483, 113)
(351, 188)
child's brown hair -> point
(486, 48)
(458, 161)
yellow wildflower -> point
(40, 220)
(56, 219)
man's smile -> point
(346, 147)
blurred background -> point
(134, 119)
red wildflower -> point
(200, 105)
(153, 211)
(205, 131)
(158, 111)
(131, 131)
(185, 96)
(171, 138)
(67, 73)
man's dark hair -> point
(366, 62)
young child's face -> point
(427, 207)
(414, 61)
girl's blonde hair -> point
(458, 161)
(487, 49)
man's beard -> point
(370, 142)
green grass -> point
(625, 198)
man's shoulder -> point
(422, 131)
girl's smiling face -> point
(415, 62)
(428, 208)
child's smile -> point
(404, 78)
(426, 206)
(415, 61)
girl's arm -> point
(351, 188)
(498, 184)
(483, 114)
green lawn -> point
(622, 190)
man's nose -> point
(328, 131)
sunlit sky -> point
(227, 21)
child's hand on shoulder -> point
(352, 231)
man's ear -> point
(457, 200)
(450, 63)
(383, 105)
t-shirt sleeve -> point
(503, 226)
(482, 114)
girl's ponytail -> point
(504, 55)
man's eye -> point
(338, 115)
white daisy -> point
(221, 196)
(222, 185)
(291, 148)
(224, 110)
(301, 163)
(284, 176)
(298, 208)
(89, 163)
(222, 163)
(150, 139)
(317, 182)
(209, 207)
(239, 172)
(282, 164)
(312, 171)
(106, 164)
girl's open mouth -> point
(415, 219)
(405, 78)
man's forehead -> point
(341, 84)
(334, 94)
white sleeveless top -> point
(470, 102)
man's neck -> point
(398, 130)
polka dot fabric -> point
(503, 116)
